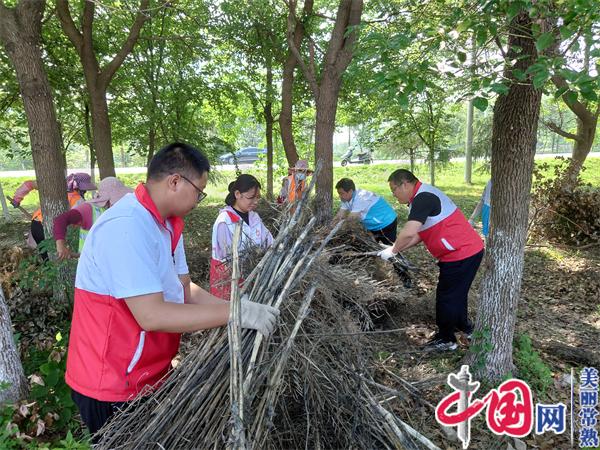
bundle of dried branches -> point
(309, 385)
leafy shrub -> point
(530, 366)
(48, 411)
(564, 216)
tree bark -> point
(11, 369)
(268, 113)
(469, 144)
(20, 30)
(88, 137)
(326, 91)
(97, 79)
(586, 132)
(296, 30)
(513, 150)
(469, 137)
(432, 165)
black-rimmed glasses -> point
(201, 194)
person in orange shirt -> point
(296, 182)
(77, 185)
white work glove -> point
(387, 253)
(258, 317)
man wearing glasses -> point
(130, 305)
(434, 219)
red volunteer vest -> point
(111, 358)
(448, 236)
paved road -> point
(31, 173)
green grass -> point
(372, 177)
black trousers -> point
(37, 233)
(387, 235)
(451, 296)
(95, 413)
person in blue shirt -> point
(483, 208)
(374, 212)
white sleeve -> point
(345, 205)
(180, 261)
(127, 260)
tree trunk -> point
(287, 83)
(268, 113)
(586, 133)
(151, 143)
(11, 369)
(432, 165)
(326, 91)
(324, 129)
(97, 79)
(469, 144)
(5, 212)
(88, 137)
(20, 30)
(513, 150)
(101, 131)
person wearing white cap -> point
(110, 191)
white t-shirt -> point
(128, 253)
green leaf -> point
(571, 96)
(566, 32)
(462, 57)
(513, 9)
(45, 368)
(499, 88)
(481, 36)
(403, 100)
(540, 79)
(519, 75)
(544, 41)
(589, 95)
(463, 26)
(52, 378)
(480, 103)
(560, 92)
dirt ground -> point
(559, 310)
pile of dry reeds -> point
(309, 385)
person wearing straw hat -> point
(130, 306)
(110, 191)
(77, 185)
(296, 182)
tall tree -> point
(585, 106)
(98, 78)
(296, 27)
(469, 125)
(325, 86)
(513, 149)
(20, 30)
